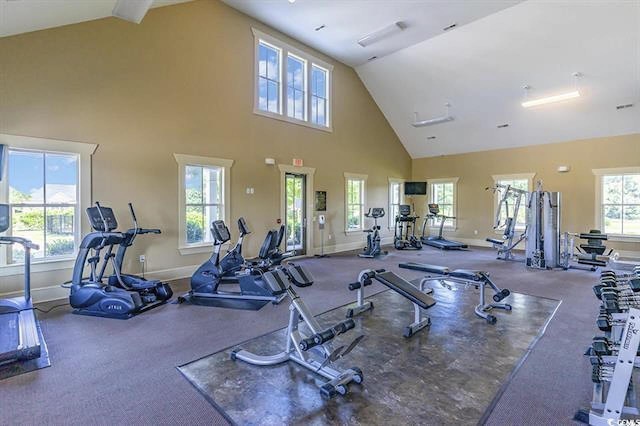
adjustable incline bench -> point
(478, 279)
(417, 296)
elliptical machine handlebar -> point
(19, 240)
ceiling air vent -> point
(624, 106)
(450, 27)
(502, 126)
(321, 27)
(373, 58)
(430, 138)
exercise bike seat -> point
(423, 267)
(406, 289)
(467, 274)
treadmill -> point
(439, 242)
(19, 338)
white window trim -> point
(184, 160)
(85, 151)
(599, 173)
(392, 220)
(363, 178)
(454, 181)
(496, 199)
(285, 49)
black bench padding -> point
(406, 289)
(423, 267)
(467, 274)
(495, 241)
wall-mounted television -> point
(415, 188)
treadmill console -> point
(220, 232)
(404, 210)
(5, 218)
(434, 209)
(96, 219)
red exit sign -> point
(298, 162)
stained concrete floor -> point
(448, 373)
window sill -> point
(353, 231)
(288, 119)
(36, 267)
(187, 250)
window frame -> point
(309, 61)
(598, 212)
(354, 177)
(496, 198)
(183, 161)
(84, 151)
(440, 181)
(391, 217)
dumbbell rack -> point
(615, 356)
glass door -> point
(295, 213)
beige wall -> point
(182, 82)
(476, 206)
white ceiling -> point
(481, 68)
(347, 21)
(23, 16)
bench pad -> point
(423, 267)
(406, 289)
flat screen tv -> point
(415, 188)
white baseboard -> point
(55, 292)
(356, 245)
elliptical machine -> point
(373, 235)
(122, 298)
(405, 222)
(255, 290)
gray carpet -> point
(110, 371)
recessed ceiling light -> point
(502, 126)
(450, 27)
(292, 1)
(624, 106)
(320, 27)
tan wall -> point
(182, 82)
(475, 205)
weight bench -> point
(478, 279)
(417, 296)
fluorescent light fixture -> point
(131, 10)
(432, 121)
(551, 99)
(387, 31)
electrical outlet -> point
(143, 258)
(475, 232)
(330, 236)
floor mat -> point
(448, 373)
(16, 368)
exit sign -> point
(298, 162)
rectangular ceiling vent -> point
(624, 106)
(450, 27)
(502, 126)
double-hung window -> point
(618, 201)
(443, 193)
(354, 201)
(291, 85)
(47, 187)
(522, 181)
(396, 198)
(204, 197)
